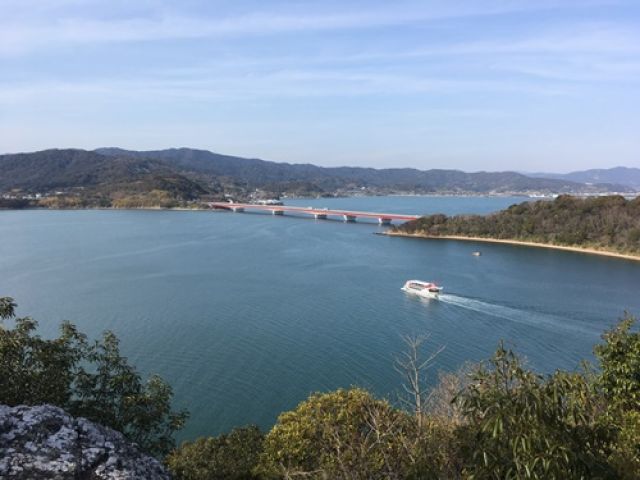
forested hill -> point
(256, 173)
(610, 223)
(80, 178)
(124, 178)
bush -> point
(525, 425)
(232, 456)
(619, 383)
(346, 434)
(86, 379)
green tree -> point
(524, 425)
(231, 456)
(346, 434)
(34, 370)
(7, 308)
(619, 382)
(92, 380)
(619, 358)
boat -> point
(477, 254)
(422, 289)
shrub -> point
(619, 383)
(346, 434)
(87, 379)
(524, 425)
(232, 456)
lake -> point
(246, 314)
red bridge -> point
(318, 213)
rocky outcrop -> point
(44, 442)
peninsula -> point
(608, 225)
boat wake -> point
(526, 317)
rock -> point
(45, 442)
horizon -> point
(532, 87)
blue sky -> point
(538, 85)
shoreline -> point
(179, 209)
(523, 243)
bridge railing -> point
(319, 213)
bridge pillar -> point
(349, 218)
(237, 209)
(320, 216)
(277, 212)
(384, 221)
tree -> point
(619, 382)
(432, 441)
(87, 379)
(33, 370)
(230, 456)
(619, 358)
(7, 308)
(413, 367)
(346, 434)
(525, 426)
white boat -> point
(422, 289)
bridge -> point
(317, 213)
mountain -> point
(617, 175)
(256, 173)
(125, 178)
(86, 173)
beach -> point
(592, 251)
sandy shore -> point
(591, 251)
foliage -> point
(499, 420)
(437, 448)
(154, 198)
(346, 434)
(442, 437)
(87, 379)
(525, 425)
(231, 456)
(611, 223)
(63, 202)
(619, 383)
(7, 308)
(619, 358)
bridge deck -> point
(314, 211)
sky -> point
(537, 85)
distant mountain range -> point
(185, 174)
(617, 175)
(256, 173)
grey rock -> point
(44, 442)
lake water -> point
(246, 314)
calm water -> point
(246, 314)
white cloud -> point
(29, 25)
